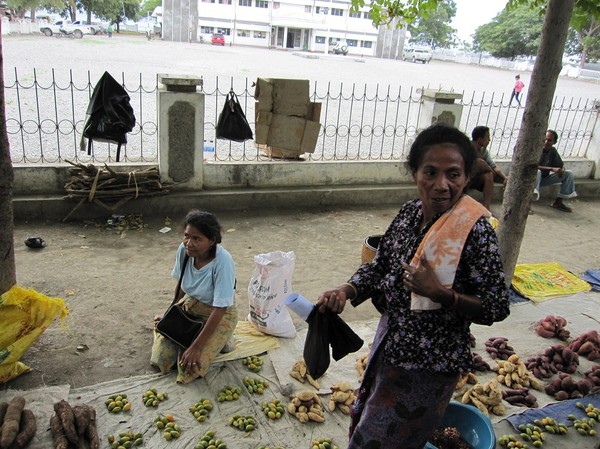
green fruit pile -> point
(533, 432)
(126, 440)
(585, 426)
(273, 409)
(255, 385)
(152, 398)
(243, 423)
(117, 403)
(552, 426)
(201, 409)
(166, 423)
(208, 441)
(510, 441)
(229, 394)
(253, 363)
(323, 443)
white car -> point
(77, 30)
(416, 54)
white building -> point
(309, 25)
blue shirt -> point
(213, 284)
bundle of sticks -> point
(88, 181)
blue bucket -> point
(474, 427)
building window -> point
(245, 2)
(321, 10)
(337, 12)
(308, 8)
(262, 4)
(224, 2)
(208, 1)
(225, 31)
(243, 33)
(352, 42)
(366, 44)
(319, 39)
(355, 15)
(276, 5)
(366, 15)
(206, 30)
(260, 35)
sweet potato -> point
(12, 419)
(82, 417)
(67, 419)
(28, 428)
(3, 407)
(91, 432)
(58, 433)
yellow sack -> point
(541, 281)
(24, 315)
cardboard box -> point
(310, 136)
(263, 93)
(291, 97)
(286, 132)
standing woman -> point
(436, 271)
(207, 292)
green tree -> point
(116, 11)
(148, 7)
(584, 37)
(435, 29)
(514, 32)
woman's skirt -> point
(165, 353)
(397, 408)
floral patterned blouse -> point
(437, 340)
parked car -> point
(218, 39)
(95, 28)
(338, 48)
(54, 28)
(416, 54)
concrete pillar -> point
(439, 107)
(180, 121)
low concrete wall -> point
(45, 180)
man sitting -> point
(551, 171)
(485, 171)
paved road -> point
(135, 55)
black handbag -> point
(232, 123)
(176, 324)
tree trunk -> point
(8, 272)
(523, 168)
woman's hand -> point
(423, 281)
(190, 361)
(334, 300)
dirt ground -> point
(115, 280)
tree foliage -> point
(584, 37)
(148, 7)
(513, 32)
(434, 29)
(116, 11)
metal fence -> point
(46, 114)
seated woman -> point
(207, 292)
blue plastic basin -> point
(474, 427)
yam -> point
(28, 428)
(58, 433)
(12, 419)
(82, 417)
(67, 418)
(91, 432)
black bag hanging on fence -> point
(109, 115)
(232, 124)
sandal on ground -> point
(562, 207)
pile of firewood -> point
(107, 184)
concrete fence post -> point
(593, 149)
(180, 122)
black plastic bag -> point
(325, 329)
(110, 115)
(232, 123)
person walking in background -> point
(551, 171)
(109, 30)
(437, 270)
(517, 89)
